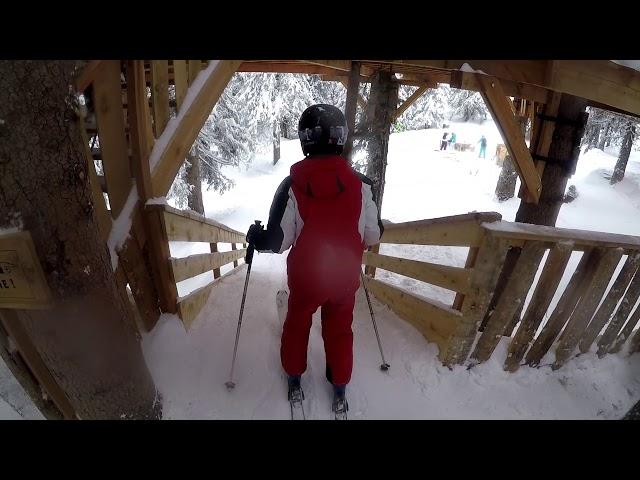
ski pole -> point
(385, 366)
(248, 259)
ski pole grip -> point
(248, 258)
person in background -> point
(452, 140)
(483, 147)
(443, 142)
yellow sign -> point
(22, 282)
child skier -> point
(327, 212)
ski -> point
(340, 408)
(296, 396)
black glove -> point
(256, 235)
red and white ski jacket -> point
(325, 197)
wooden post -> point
(351, 107)
(484, 277)
(235, 262)
(216, 271)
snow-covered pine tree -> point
(467, 106)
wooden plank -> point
(606, 309)
(180, 228)
(369, 270)
(99, 205)
(160, 95)
(190, 306)
(181, 81)
(13, 325)
(484, 277)
(587, 305)
(435, 321)
(194, 69)
(602, 81)
(606, 342)
(89, 73)
(452, 278)
(113, 141)
(159, 258)
(468, 81)
(457, 230)
(581, 238)
(141, 137)
(468, 264)
(565, 306)
(409, 101)
(498, 104)
(189, 123)
(512, 297)
(133, 266)
(192, 265)
(626, 333)
(546, 288)
(235, 262)
(287, 67)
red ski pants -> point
(337, 316)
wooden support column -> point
(351, 106)
(383, 101)
(214, 249)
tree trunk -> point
(506, 186)
(604, 136)
(351, 106)
(86, 338)
(566, 150)
(276, 143)
(625, 151)
(383, 101)
(194, 179)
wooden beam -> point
(541, 138)
(288, 67)
(194, 69)
(180, 81)
(435, 321)
(113, 142)
(160, 95)
(458, 230)
(89, 73)
(409, 101)
(193, 265)
(498, 105)
(160, 254)
(581, 238)
(190, 305)
(452, 278)
(182, 226)
(190, 120)
(340, 65)
(12, 323)
(141, 137)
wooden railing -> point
(182, 226)
(584, 310)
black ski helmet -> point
(322, 129)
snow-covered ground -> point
(190, 368)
